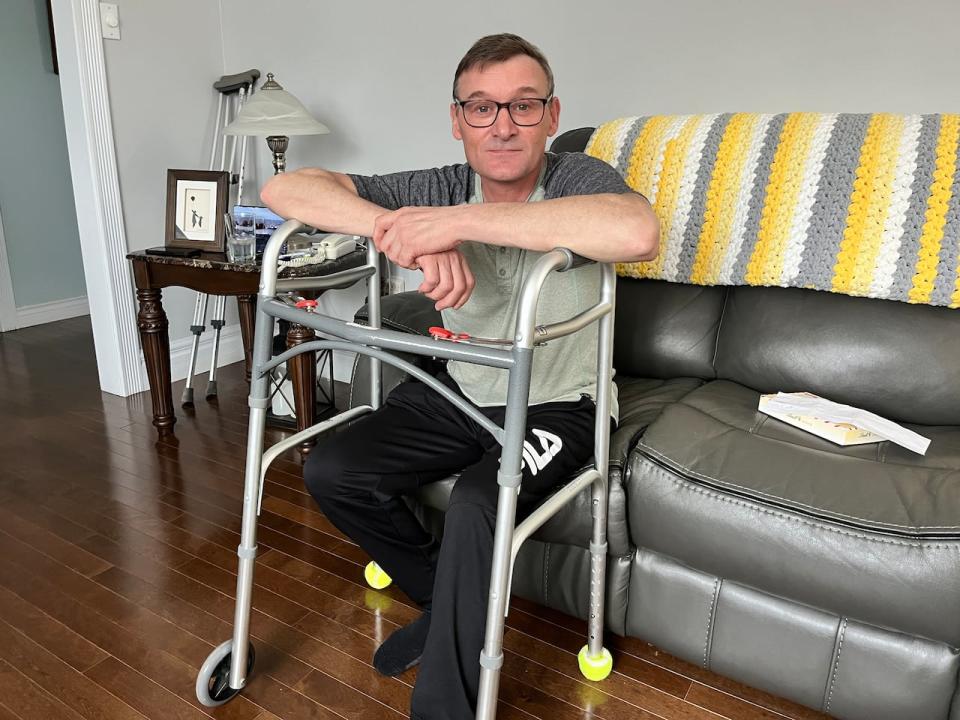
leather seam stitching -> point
(649, 450)
(716, 342)
(836, 664)
(711, 617)
(820, 526)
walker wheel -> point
(375, 576)
(595, 668)
(213, 680)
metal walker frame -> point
(224, 673)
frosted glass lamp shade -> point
(275, 114)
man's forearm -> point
(322, 199)
(607, 228)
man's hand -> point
(412, 232)
(447, 279)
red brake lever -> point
(441, 333)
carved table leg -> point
(247, 305)
(154, 337)
(303, 376)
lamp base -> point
(278, 144)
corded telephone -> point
(337, 245)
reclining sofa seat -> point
(827, 575)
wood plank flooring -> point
(118, 562)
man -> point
(474, 230)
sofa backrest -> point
(896, 359)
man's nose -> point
(504, 126)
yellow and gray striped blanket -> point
(858, 204)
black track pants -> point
(358, 475)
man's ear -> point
(554, 110)
(455, 121)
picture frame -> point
(196, 203)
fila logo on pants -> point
(549, 443)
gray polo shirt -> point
(563, 369)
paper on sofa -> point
(842, 424)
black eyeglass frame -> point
(500, 106)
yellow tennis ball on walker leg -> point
(595, 668)
(375, 576)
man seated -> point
(475, 230)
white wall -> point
(160, 76)
(379, 74)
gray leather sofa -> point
(826, 575)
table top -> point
(218, 261)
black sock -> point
(403, 649)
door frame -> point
(96, 190)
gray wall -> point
(36, 194)
(379, 74)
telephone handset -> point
(338, 245)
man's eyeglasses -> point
(483, 113)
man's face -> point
(505, 153)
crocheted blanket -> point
(858, 204)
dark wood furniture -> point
(211, 273)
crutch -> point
(232, 92)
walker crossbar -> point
(225, 671)
(422, 375)
(382, 338)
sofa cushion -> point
(892, 358)
(868, 532)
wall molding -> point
(8, 308)
(96, 187)
(30, 315)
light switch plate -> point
(109, 21)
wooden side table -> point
(210, 273)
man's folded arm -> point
(329, 201)
(321, 198)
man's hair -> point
(497, 49)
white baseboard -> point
(231, 351)
(30, 315)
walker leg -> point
(594, 660)
(508, 477)
(259, 402)
(211, 688)
(197, 328)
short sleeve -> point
(579, 174)
(435, 187)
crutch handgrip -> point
(232, 83)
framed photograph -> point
(196, 203)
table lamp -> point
(277, 114)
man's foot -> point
(403, 649)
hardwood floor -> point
(118, 562)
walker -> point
(225, 671)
